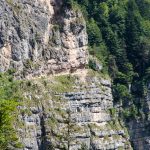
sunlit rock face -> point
(69, 115)
(41, 37)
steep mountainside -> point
(69, 113)
(41, 37)
(74, 75)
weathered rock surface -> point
(140, 130)
(77, 115)
(140, 134)
(41, 37)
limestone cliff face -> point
(72, 107)
(41, 37)
(67, 112)
(140, 130)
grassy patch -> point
(63, 83)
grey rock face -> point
(71, 118)
(41, 37)
(140, 130)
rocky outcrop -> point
(66, 113)
(139, 132)
(41, 37)
(140, 129)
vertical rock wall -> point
(41, 37)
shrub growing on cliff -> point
(130, 113)
(83, 147)
(8, 104)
